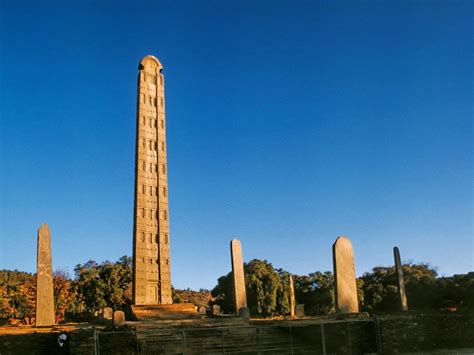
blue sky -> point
(289, 123)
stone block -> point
(244, 313)
(107, 313)
(119, 317)
(202, 310)
(216, 309)
(299, 310)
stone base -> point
(356, 315)
(165, 311)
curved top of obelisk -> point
(150, 63)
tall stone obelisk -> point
(402, 295)
(345, 292)
(44, 279)
(238, 276)
(151, 253)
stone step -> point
(165, 311)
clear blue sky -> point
(289, 123)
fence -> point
(348, 337)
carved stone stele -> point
(44, 279)
(345, 291)
(151, 246)
(238, 277)
(402, 296)
(292, 297)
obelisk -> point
(151, 253)
(292, 297)
(402, 296)
(344, 276)
(44, 279)
(238, 277)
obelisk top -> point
(150, 61)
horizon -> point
(287, 126)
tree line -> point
(109, 284)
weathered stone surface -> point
(299, 310)
(292, 297)
(202, 310)
(151, 254)
(119, 317)
(165, 311)
(344, 276)
(44, 279)
(238, 278)
(402, 296)
(216, 309)
(107, 313)
(244, 313)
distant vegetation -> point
(96, 286)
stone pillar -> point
(345, 291)
(402, 296)
(44, 279)
(151, 242)
(292, 297)
(238, 277)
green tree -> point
(104, 285)
(263, 284)
(316, 292)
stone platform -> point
(165, 311)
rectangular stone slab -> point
(344, 276)
(44, 279)
(238, 277)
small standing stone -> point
(292, 297)
(216, 309)
(402, 296)
(107, 313)
(344, 276)
(44, 279)
(238, 277)
(119, 317)
(244, 313)
(202, 310)
(299, 310)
